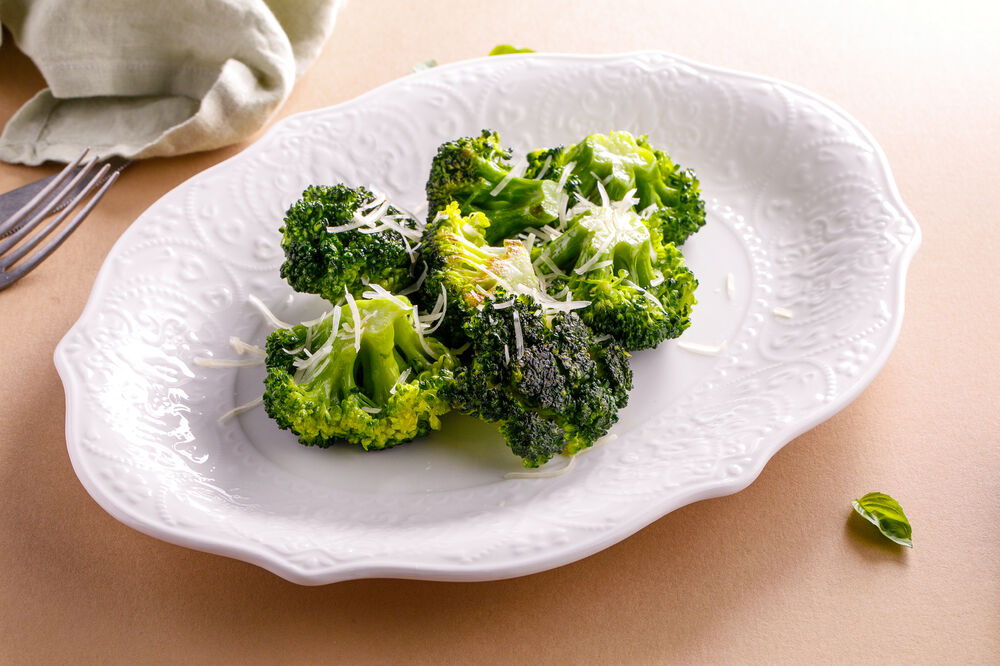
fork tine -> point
(8, 260)
(14, 220)
(26, 267)
(26, 228)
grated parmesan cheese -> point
(246, 407)
(378, 291)
(352, 304)
(241, 347)
(564, 176)
(605, 202)
(400, 380)
(264, 310)
(439, 311)
(419, 328)
(518, 337)
(416, 285)
(516, 171)
(704, 350)
(545, 167)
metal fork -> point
(16, 239)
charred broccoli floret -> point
(639, 290)
(465, 270)
(548, 383)
(360, 374)
(622, 163)
(476, 173)
(338, 237)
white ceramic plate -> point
(803, 214)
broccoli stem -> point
(635, 261)
(408, 345)
(522, 204)
(574, 246)
(649, 190)
(378, 364)
(566, 249)
(341, 369)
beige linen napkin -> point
(146, 78)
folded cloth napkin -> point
(142, 79)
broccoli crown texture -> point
(358, 374)
(639, 289)
(466, 270)
(551, 387)
(621, 163)
(337, 237)
(476, 173)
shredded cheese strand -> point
(516, 171)
(518, 337)
(704, 350)
(416, 285)
(264, 310)
(443, 302)
(545, 167)
(241, 347)
(649, 295)
(245, 407)
(784, 313)
(603, 192)
(564, 176)
(352, 304)
(400, 380)
(378, 291)
(418, 327)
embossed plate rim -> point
(485, 569)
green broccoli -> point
(463, 270)
(338, 237)
(361, 373)
(664, 193)
(476, 172)
(549, 384)
(639, 290)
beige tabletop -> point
(777, 573)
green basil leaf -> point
(504, 49)
(885, 513)
(426, 64)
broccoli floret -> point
(639, 289)
(464, 270)
(551, 386)
(368, 379)
(326, 250)
(476, 172)
(623, 163)
(541, 161)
